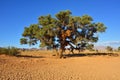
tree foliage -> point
(60, 28)
(90, 47)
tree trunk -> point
(61, 53)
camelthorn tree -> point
(62, 29)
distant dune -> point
(100, 47)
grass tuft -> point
(12, 51)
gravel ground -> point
(44, 67)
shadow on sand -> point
(73, 55)
(29, 56)
(91, 54)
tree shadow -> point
(29, 56)
(75, 55)
(91, 54)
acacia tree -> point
(63, 28)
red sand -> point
(46, 67)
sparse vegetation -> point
(13, 51)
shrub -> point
(118, 48)
(9, 51)
(3, 50)
(109, 48)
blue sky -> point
(17, 14)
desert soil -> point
(44, 66)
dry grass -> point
(41, 65)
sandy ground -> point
(42, 66)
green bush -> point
(9, 51)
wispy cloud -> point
(109, 43)
(112, 42)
